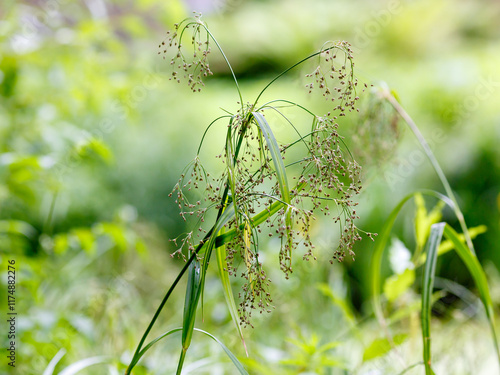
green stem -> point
(165, 299)
(191, 259)
(227, 62)
(181, 361)
(290, 68)
(430, 155)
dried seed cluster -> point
(322, 181)
(193, 65)
(335, 79)
(377, 131)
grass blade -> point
(136, 358)
(84, 363)
(49, 370)
(474, 267)
(430, 155)
(228, 291)
(190, 307)
(275, 155)
(195, 288)
(435, 236)
(231, 356)
(382, 240)
(279, 166)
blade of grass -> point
(435, 164)
(84, 363)
(49, 370)
(435, 236)
(279, 166)
(136, 359)
(228, 291)
(275, 155)
(231, 356)
(190, 307)
(382, 240)
(195, 288)
(477, 272)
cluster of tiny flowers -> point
(377, 132)
(335, 79)
(324, 177)
(191, 63)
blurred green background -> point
(93, 137)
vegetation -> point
(88, 138)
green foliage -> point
(237, 194)
(91, 137)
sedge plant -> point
(266, 186)
(429, 232)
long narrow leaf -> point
(275, 155)
(428, 284)
(279, 166)
(231, 356)
(228, 291)
(474, 267)
(191, 302)
(382, 240)
(84, 363)
(376, 262)
(49, 370)
(195, 288)
(148, 346)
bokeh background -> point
(93, 137)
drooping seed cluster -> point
(335, 79)
(377, 133)
(190, 64)
(321, 180)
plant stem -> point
(416, 131)
(290, 68)
(190, 260)
(165, 299)
(227, 62)
(181, 361)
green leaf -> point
(279, 166)
(381, 346)
(275, 155)
(84, 363)
(196, 284)
(447, 245)
(396, 285)
(49, 370)
(477, 272)
(137, 357)
(382, 240)
(436, 234)
(85, 238)
(424, 220)
(231, 356)
(228, 291)
(191, 302)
